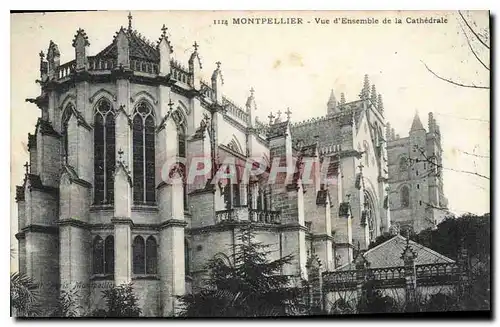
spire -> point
(380, 104)
(129, 21)
(373, 95)
(417, 124)
(332, 104)
(365, 91)
(342, 100)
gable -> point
(388, 254)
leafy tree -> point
(121, 302)
(23, 296)
(252, 286)
(67, 305)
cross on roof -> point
(271, 116)
(288, 113)
(218, 64)
(164, 30)
(120, 155)
(279, 114)
(41, 55)
(129, 21)
(26, 166)
(195, 45)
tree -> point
(478, 40)
(121, 302)
(23, 296)
(252, 286)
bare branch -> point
(435, 164)
(453, 82)
(472, 49)
(472, 30)
(474, 119)
(473, 154)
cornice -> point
(172, 223)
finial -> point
(279, 115)
(26, 166)
(252, 91)
(288, 113)
(271, 117)
(120, 155)
(170, 104)
(195, 46)
(218, 63)
(348, 196)
(360, 167)
(129, 21)
(42, 55)
(164, 31)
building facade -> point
(415, 176)
(107, 196)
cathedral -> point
(107, 197)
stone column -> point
(409, 257)
(171, 267)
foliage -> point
(376, 302)
(121, 302)
(252, 286)
(67, 305)
(23, 296)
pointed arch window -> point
(139, 254)
(104, 152)
(103, 255)
(66, 115)
(151, 255)
(369, 215)
(143, 139)
(109, 255)
(405, 197)
(403, 164)
(145, 255)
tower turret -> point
(332, 104)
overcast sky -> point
(296, 66)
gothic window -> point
(405, 197)
(403, 164)
(369, 213)
(103, 255)
(64, 126)
(151, 255)
(98, 255)
(143, 140)
(104, 152)
(145, 256)
(262, 200)
(109, 255)
(139, 255)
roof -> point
(139, 48)
(417, 124)
(388, 254)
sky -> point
(296, 66)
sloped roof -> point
(139, 48)
(388, 254)
(417, 124)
